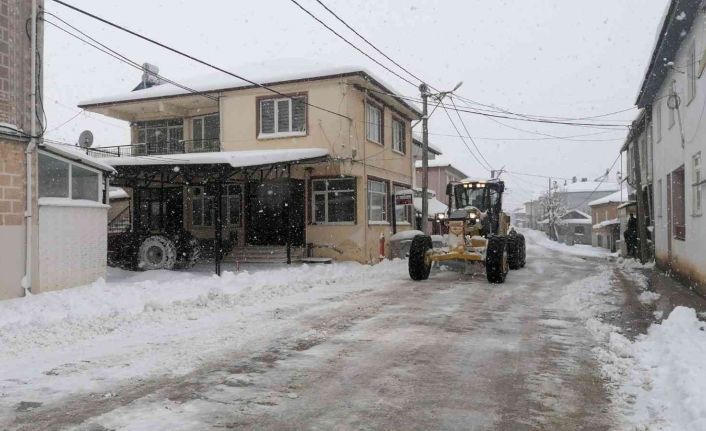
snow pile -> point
(658, 381)
(668, 382)
(59, 318)
(648, 297)
(540, 239)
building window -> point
(696, 184)
(62, 179)
(161, 136)
(377, 201)
(398, 136)
(691, 73)
(402, 212)
(678, 204)
(203, 206)
(658, 201)
(53, 177)
(85, 184)
(657, 121)
(206, 131)
(579, 230)
(373, 122)
(283, 116)
(333, 200)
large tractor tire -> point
(157, 252)
(418, 267)
(514, 251)
(523, 250)
(496, 259)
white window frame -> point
(203, 129)
(407, 213)
(326, 193)
(697, 183)
(386, 201)
(369, 105)
(72, 163)
(658, 200)
(399, 140)
(691, 73)
(657, 121)
(281, 133)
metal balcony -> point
(157, 148)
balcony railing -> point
(157, 148)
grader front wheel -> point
(496, 259)
(419, 267)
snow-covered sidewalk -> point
(658, 380)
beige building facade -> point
(342, 203)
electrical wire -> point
(191, 57)
(469, 135)
(464, 141)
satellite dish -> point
(85, 139)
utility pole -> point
(641, 228)
(424, 89)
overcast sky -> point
(564, 58)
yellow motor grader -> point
(479, 233)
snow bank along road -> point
(325, 347)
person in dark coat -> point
(630, 236)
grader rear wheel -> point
(419, 268)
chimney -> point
(574, 179)
(583, 180)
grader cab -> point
(479, 233)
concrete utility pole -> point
(424, 89)
(641, 228)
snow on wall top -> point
(617, 197)
(266, 73)
(236, 159)
(76, 154)
(589, 186)
(437, 163)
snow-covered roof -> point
(605, 223)
(265, 73)
(117, 193)
(574, 221)
(76, 154)
(617, 197)
(236, 159)
(435, 206)
(589, 186)
(417, 140)
(438, 163)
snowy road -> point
(342, 347)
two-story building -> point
(671, 141)
(311, 158)
(606, 223)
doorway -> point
(275, 211)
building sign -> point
(403, 199)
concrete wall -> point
(71, 253)
(687, 258)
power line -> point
(368, 42)
(464, 141)
(351, 44)
(469, 135)
(600, 182)
(120, 57)
(64, 123)
(191, 57)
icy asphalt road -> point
(387, 353)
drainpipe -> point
(27, 279)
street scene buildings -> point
(291, 217)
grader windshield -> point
(482, 195)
